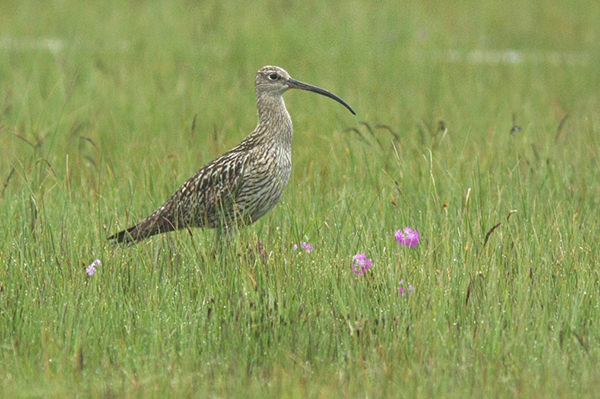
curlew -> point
(243, 184)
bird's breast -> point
(265, 178)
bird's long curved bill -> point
(296, 84)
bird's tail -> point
(152, 225)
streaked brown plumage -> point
(243, 184)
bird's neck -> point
(274, 122)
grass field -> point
(478, 126)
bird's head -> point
(275, 80)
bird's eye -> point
(273, 76)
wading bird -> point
(243, 184)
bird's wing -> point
(207, 199)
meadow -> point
(478, 125)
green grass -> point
(97, 105)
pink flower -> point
(307, 247)
(91, 269)
(360, 264)
(304, 245)
(261, 250)
(408, 237)
(401, 289)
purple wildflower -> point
(91, 269)
(408, 237)
(307, 247)
(360, 264)
(402, 290)
(261, 250)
